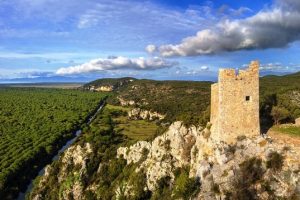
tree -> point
(279, 113)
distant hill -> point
(115, 83)
(189, 101)
(179, 100)
(277, 83)
(50, 79)
(44, 85)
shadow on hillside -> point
(265, 125)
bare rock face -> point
(223, 162)
(135, 152)
(103, 88)
(164, 153)
(138, 113)
(124, 102)
(220, 166)
(106, 88)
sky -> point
(82, 40)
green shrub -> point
(167, 145)
(279, 113)
(241, 137)
(216, 188)
(163, 190)
(275, 161)
(185, 187)
(145, 153)
(138, 186)
(250, 172)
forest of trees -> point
(279, 99)
(34, 124)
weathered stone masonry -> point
(235, 103)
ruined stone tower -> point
(235, 103)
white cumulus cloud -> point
(150, 48)
(114, 63)
(204, 68)
(275, 27)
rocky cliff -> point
(182, 163)
(70, 175)
(251, 168)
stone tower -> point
(235, 103)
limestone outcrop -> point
(124, 102)
(221, 167)
(103, 88)
(69, 180)
(138, 113)
(163, 154)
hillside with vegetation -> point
(189, 101)
(34, 124)
(181, 162)
(90, 169)
(279, 99)
(186, 101)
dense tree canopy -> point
(34, 124)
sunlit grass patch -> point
(291, 130)
(138, 129)
(134, 129)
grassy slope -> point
(290, 130)
(134, 129)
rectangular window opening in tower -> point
(247, 98)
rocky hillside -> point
(182, 160)
(251, 168)
(182, 163)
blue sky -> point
(185, 40)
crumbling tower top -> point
(235, 103)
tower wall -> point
(214, 106)
(235, 103)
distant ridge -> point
(89, 80)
